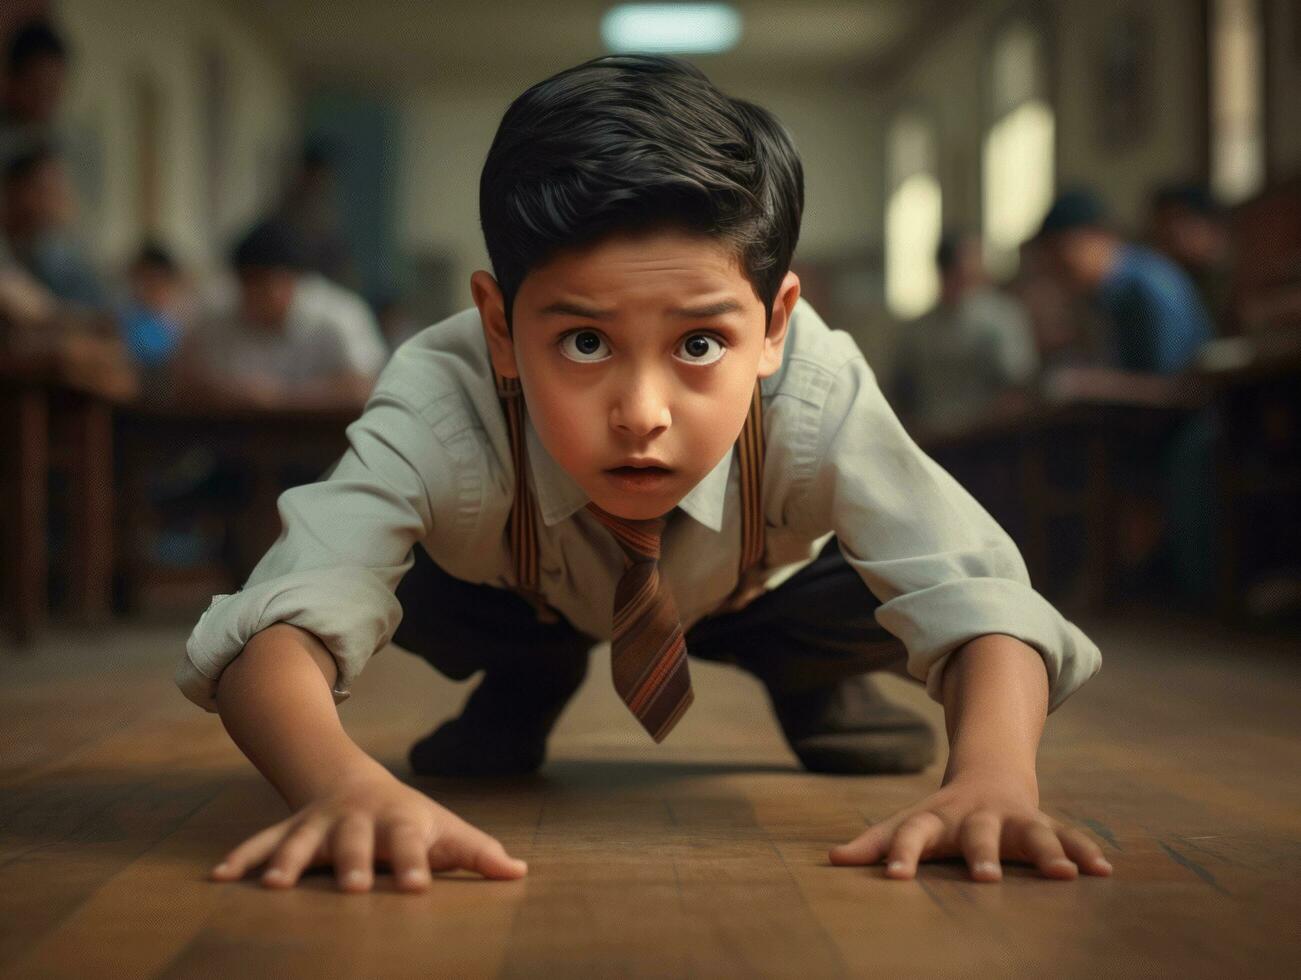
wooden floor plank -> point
(701, 857)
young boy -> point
(639, 407)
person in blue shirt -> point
(1156, 324)
(153, 321)
(38, 209)
(1157, 320)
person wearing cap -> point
(1156, 318)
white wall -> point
(948, 82)
(1173, 147)
(164, 40)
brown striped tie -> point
(649, 654)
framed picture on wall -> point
(1124, 83)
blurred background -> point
(1066, 234)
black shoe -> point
(850, 727)
(502, 730)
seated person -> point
(35, 76)
(82, 342)
(39, 213)
(292, 340)
(1066, 330)
(156, 315)
(1156, 322)
(963, 360)
(310, 205)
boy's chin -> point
(637, 508)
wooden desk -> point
(57, 408)
(1256, 385)
(262, 440)
(1038, 463)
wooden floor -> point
(705, 856)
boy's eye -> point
(584, 346)
(702, 348)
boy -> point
(640, 225)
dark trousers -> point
(815, 628)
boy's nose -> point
(640, 410)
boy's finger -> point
(408, 856)
(912, 838)
(1084, 852)
(1042, 847)
(867, 848)
(352, 848)
(979, 837)
(474, 850)
(293, 854)
(251, 853)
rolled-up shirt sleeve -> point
(942, 569)
(346, 542)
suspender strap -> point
(522, 528)
(523, 531)
(749, 448)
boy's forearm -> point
(275, 701)
(995, 691)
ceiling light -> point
(671, 28)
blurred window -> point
(1236, 124)
(912, 218)
(1019, 151)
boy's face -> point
(612, 375)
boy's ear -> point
(492, 313)
(774, 341)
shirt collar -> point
(559, 496)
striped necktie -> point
(649, 653)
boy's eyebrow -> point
(711, 309)
(560, 307)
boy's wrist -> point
(997, 778)
(351, 765)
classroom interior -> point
(952, 151)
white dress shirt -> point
(429, 463)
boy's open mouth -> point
(651, 479)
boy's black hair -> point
(271, 244)
(625, 143)
(32, 40)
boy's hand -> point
(982, 817)
(374, 817)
